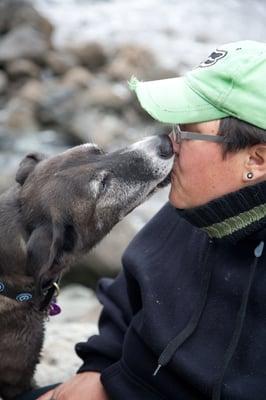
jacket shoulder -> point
(166, 232)
(163, 224)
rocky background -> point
(63, 82)
(52, 98)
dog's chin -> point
(165, 182)
(161, 185)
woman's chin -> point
(175, 200)
(179, 201)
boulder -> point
(78, 77)
(103, 128)
(60, 61)
(3, 82)
(22, 68)
(23, 42)
(131, 60)
(18, 117)
(139, 61)
(14, 13)
(106, 95)
(90, 55)
(57, 103)
(32, 91)
(84, 113)
(9, 160)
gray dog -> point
(60, 208)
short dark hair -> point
(240, 134)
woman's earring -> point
(250, 175)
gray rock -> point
(23, 42)
(8, 165)
(131, 60)
(103, 128)
(76, 110)
(91, 55)
(3, 82)
(60, 61)
(97, 114)
(46, 141)
(14, 146)
(106, 95)
(57, 103)
(22, 68)
(139, 61)
(32, 91)
(14, 13)
(18, 117)
(78, 77)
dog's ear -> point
(53, 265)
(27, 165)
(46, 248)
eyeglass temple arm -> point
(197, 136)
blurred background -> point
(64, 67)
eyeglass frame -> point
(180, 135)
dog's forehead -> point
(89, 146)
(82, 155)
(84, 148)
(81, 152)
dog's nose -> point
(165, 148)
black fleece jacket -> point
(199, 301)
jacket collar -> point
(232, 217)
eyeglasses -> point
(178, 135)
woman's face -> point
(200, 172)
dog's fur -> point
(60, 208)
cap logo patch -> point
(213, 58)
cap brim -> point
(173, 101)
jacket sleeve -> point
(102, 350)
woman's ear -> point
(27, 165)
(255, 164)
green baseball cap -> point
(230, 82)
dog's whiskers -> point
(91, 138)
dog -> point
(59, 208)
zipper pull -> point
(259, 249)
(157, 369)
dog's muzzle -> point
(165, 148)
